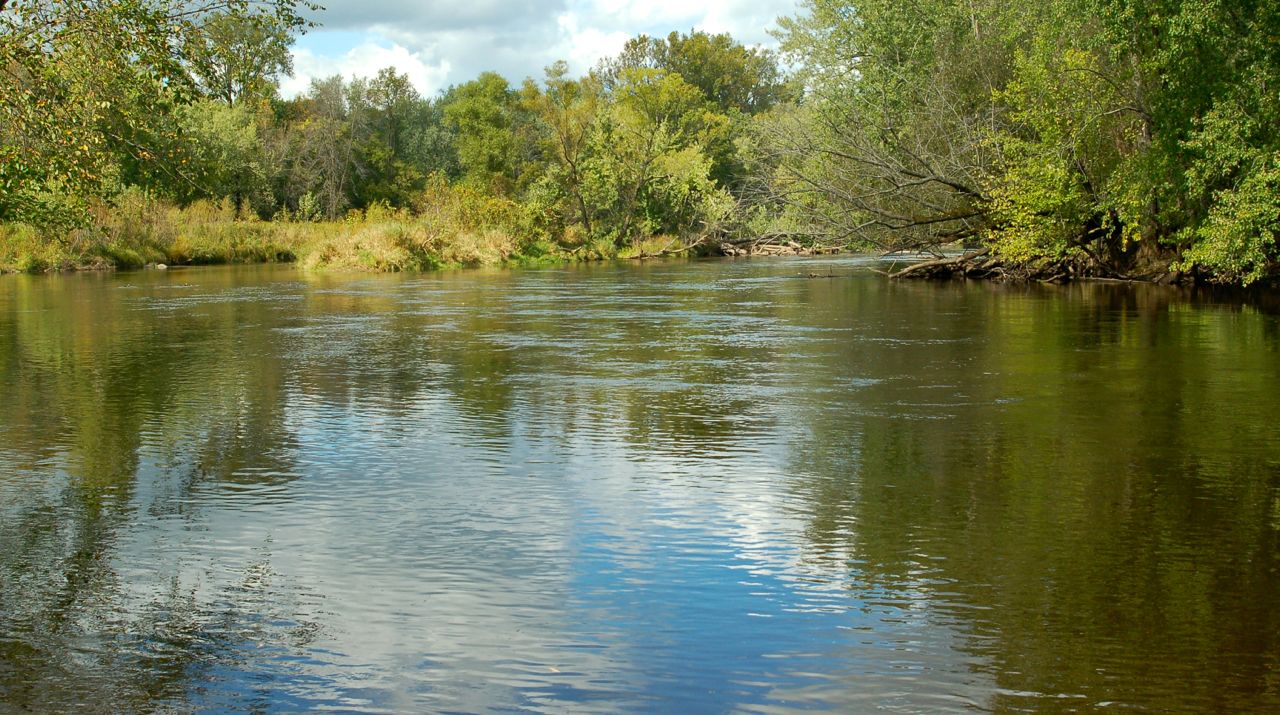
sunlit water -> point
(753, 486)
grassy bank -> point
(450, 229)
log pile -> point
(772, 246)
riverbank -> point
(455, 229)
(455, 233)
(986, 264)
(376, 245)
(143, 232)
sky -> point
(438, 43)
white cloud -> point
(443, 42)
(364, 60)
(583, 47)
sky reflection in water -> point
(681, 487)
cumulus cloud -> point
(364, 60)
(434, 15)
(443, 42)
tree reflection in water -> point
(612, 487)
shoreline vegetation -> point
(141, 232)
(1040, 141)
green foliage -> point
(484, 117)
(465, 208)
(1124, 137)
(452, 226)
(315, 150)
(120, 107)
(1128, 137)
(24, 250)
(735, 81)
(225, 154)
(734, 78)
(891, 143)
(308, 207)
(647, 170)
(565, 115)
(387, 106)
(90, 87)
(1066, 137)
(236, 56)
(1238, 240)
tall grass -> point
(449, 226)
(136, 230)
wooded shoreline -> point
(370, 245)
(1111, 139)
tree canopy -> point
(1126, 136)
(1111, 137)
(91, 88)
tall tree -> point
(89, 81)
(327, 148)
(482, 113)
(649, 171)
(732, 76)
(891, 146)
(393, 149)
(236, 57)
(568, 110)
(737, 81)
(1113, 136)
(226, 152)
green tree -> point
(91, 83)
(393, 99)
(1110, 136)
(236, 57)
(227, 153)
(329, 146)
(403, 141)
(733, 77)
(567, 109)
(893, 140)
(648, 171)
(1204, 178)
(483, 115)
(737, 81)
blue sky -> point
(442, 42)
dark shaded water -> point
(678, 487)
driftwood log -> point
(983, 264)
(942, 266)
(778, 244)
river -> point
(721, 486)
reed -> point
(449, 227)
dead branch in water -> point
(947, 264)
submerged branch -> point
(940, 263)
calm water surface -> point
(664, 487)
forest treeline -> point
(1050, 139)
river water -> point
(725, 486)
